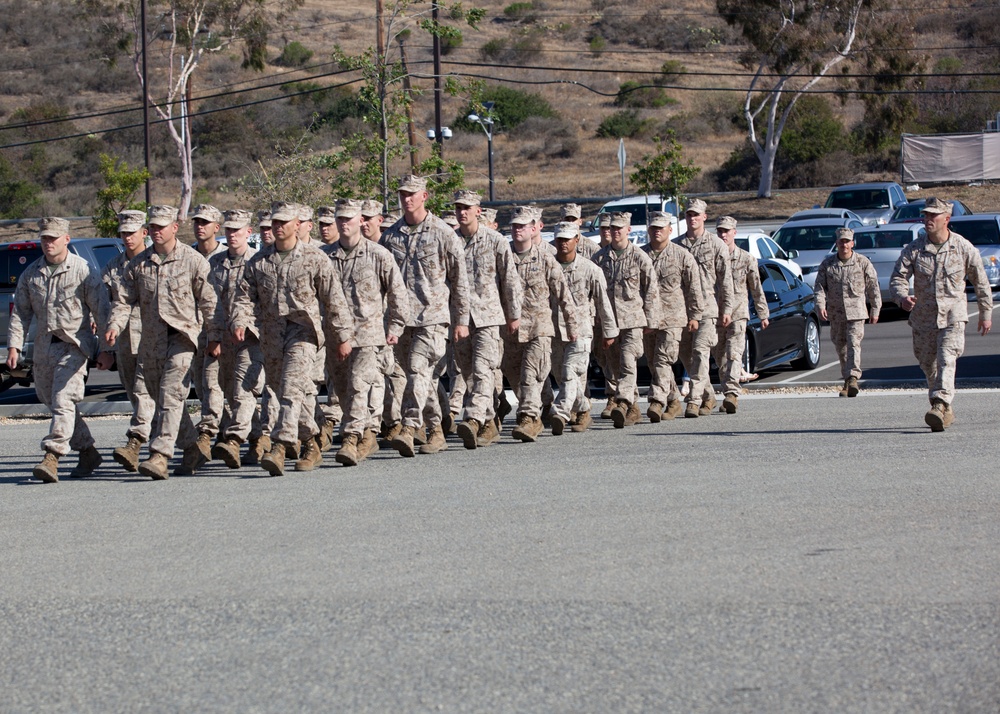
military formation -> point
(379, 310)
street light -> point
(486, 122)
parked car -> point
(983, 231)
(638, 206)
(817, 212)
(761, 245)
(808, 242)
(873, 202)
(14, 259)
(793, 334)
(912, 212)
(882, 246)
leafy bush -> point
(493, 50)
(622, 125)
(551, 138)
(511, 108)
(597, 43)
(639, 96)
(521, 11)
(295, 54)
(450, 43)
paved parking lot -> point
(807, 554)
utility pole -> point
(145, 105)
(411, 133)
(438, 135)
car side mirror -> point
(770, 296)
(792, 253)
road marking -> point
(807, 374)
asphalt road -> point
(806, 554)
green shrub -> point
(672, 71)
(597, 43)
(493, 50)
(622, 125)
(638, 96)
(521, 11)
(511, 108)
(295, 54)
(449, 43)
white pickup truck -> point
(638, 207)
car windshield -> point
(859, 198)
(743, 243)
(882, 239)
(638, 210)
(806, 237)
(13, 261)
(908, 212)
(978, 232)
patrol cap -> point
(465, 197)
(371, 208)
(570, 210)
(412, 184)
(305, 212)
(844, 234)
(264, 219)
(450, 218)
(393, 217)
(348, 207)
(326, 214)
(162, 215)
(489, 215)
(131, 221)
(522, 214)
(207, 212)
(696, 205)
(659, 219)
(54, 227)
(566, 229)
(604, 220)
(621, 219)
(936, 205)
(284, 211)
(237, 218)
(726, 223)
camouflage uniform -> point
(732, 341)
(289, 294)
(711, 255)
(370, 279)
(176, 303)
(64, 299)
(938, 319)
(127, 354)
(681, 297)
(432, 262)
(635, 296)
(206, 370)
(589, 291)
(527, 355)
(841, 288)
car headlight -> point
(992, 266)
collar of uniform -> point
(168, 258)
(360, 249)
(60, 268)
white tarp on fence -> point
(945, 158)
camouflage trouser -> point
(846, 336)
(395, 385)
(571, 360)
(165, 361)
(289, 365)
(331, 409)
(600, 353)
(527, 365)
(728, 352)
(377, 393)
(696, 349)
(268, 408)
(135, 388)
(243, 380)
(662, 350)
(623, 358)
(59, 371)
(422, 350)
(937, 350)
(477, 358)
(353, 379)
(206, 372)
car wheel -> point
(810, 346)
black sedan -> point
(793, 334)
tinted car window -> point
(775, 249)
(861, 198)
(882, 239)
(978, 232)
(13, 261)
(765, 251)
(743, 243)
(777, 278)
(105, 253)
(806, 238)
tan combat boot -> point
(368, 444)
(606, 412)
(274, 460)
(524, 428)
(534, 428)
(730, 403)
(654, 412)
(843, 390)
(258, 447)
(558, 424)
(128, 455)
(468, 431)
(618, 414)
(48, 470)
(449, 423)
(692, 411)
(228, 451)
(633, 416)
(403, 443)
(435, 441)
(90, 459)
(675, 407)
(949, 416)
(707, 406)
(311, 455)
(488, 434)
(935, 418)
(155, 467)
(582, 422)
(391, 432)
(852, 387)
(420, 435)
(348, 453)
(326, 433)
(192, 460)
(204, 444)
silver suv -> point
(14, 258)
